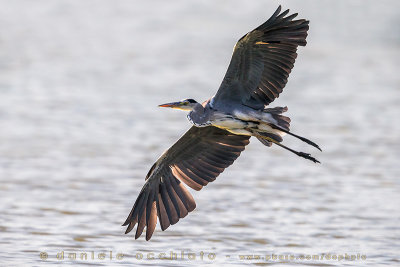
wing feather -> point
(152, 220)
(196, 159)
(262, 61)
(142, 221)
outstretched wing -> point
(261, 62)
(196, 159)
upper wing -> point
(261, 62)
(196, 159)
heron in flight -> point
(222, 126)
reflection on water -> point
(80, 83)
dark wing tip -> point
(166, 199)
(277, 11)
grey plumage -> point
(260, 65)
(200, 116)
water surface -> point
(79, 128)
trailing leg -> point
(295, 135)
(300, 154)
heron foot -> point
(307, 156)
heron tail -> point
(283, 124)
(265, 128)
(282, 121)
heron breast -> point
(197, 124)
(229, 122)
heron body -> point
(222, 126)
(237, 121)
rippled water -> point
(79, 128)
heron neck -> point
(199, 115)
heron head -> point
(186, 104)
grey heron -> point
(222, 126)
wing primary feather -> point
(185, 196)
(272, 18)
(280, 17)
(149, 204)
(179, 206)
(151, 224)
(136, 207)
(190, 201)
(288, 18)
(171, 212)
(171, 195)
(131, 225)
(142, 212)
(189, 182)
(142, 222)
(162, 213)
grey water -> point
(80, 82)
